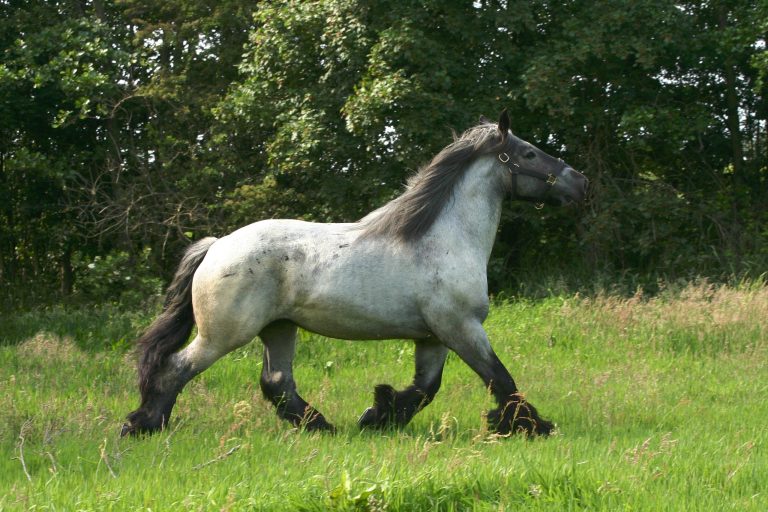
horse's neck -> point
(471, 219)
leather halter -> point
(547, 177)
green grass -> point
(661, 405)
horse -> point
(413, 269)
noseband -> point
(548, 178)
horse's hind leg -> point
(158, 396)
(277, 382)
(163, 386)
(396, 408)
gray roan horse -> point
(415, 268)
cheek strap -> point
(547, 177)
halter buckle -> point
(504, 157)
(551, 180)
(538, 206)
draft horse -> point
(414, 269)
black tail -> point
(171, 330)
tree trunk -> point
(732, 108)
(738, 197)
(66, 274)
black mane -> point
(410, 215)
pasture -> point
(661, 404)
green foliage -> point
(118, 278)
(126, 124)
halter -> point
(549, 178)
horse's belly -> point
(352, 332)
(360, 323)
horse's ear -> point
(484, 120)
(504, 124)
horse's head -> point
(536, 176)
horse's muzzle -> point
(577, 185)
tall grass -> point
(660, 403)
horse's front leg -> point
(514, 413)
(396, 408)
(277, 382)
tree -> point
(55, 83)
(128, 124)
(105, 118)
(656, 100)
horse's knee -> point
(429, 390)
(276, 386)
(168, 381)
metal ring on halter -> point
(503, 156)
(538, 206)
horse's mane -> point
(410, 215)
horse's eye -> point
(530, 155)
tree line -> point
(130, 127)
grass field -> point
(661, 404)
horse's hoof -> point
(369, 418)
(319, 424)
(532, 427)
(543, 428)
(127, 429)
(518, 418)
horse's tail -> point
(171, 330)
